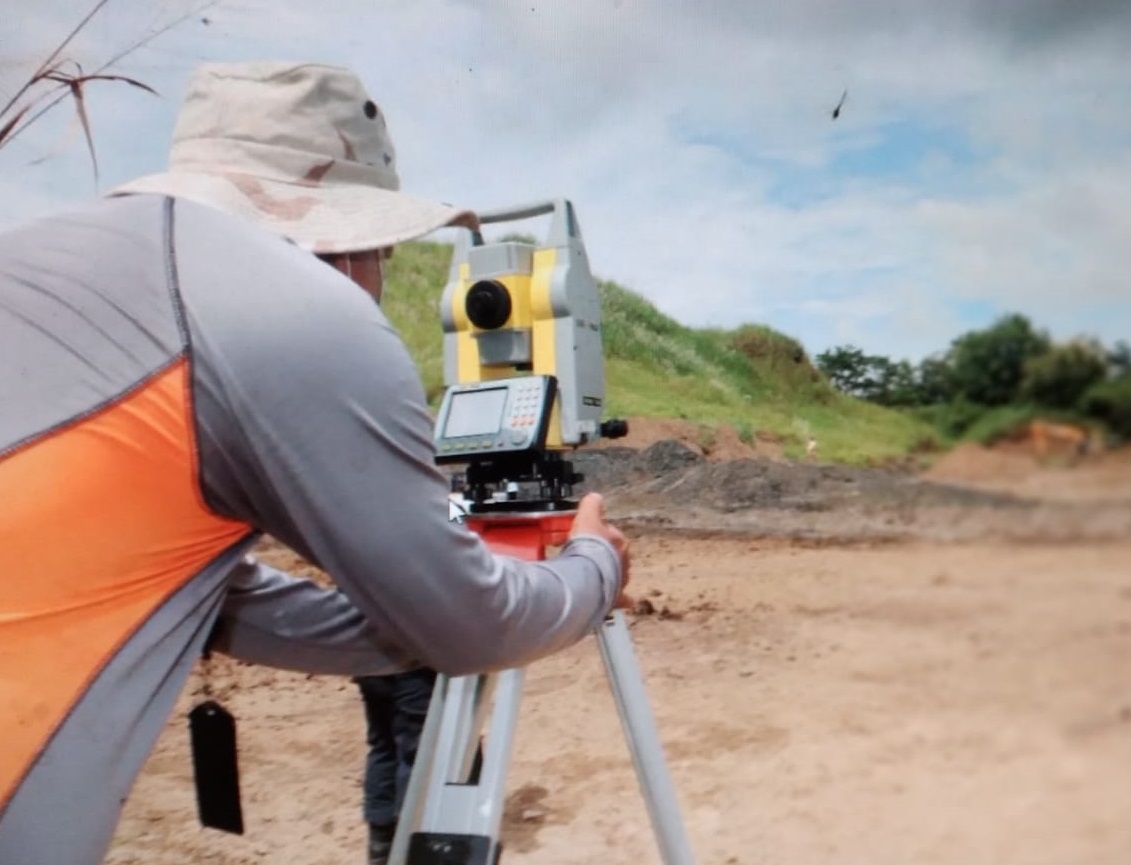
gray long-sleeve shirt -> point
(173, 382)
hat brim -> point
(330, 218)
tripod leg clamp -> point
(443, 848)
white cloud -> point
(696, 141)
(1056, 246)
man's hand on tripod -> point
(590, 520)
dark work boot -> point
(380, 843)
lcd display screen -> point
(475, 412)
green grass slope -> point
(753, 378)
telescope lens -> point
(488, 304)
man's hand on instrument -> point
(590, 520)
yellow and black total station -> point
(524, 370)
(523, 361)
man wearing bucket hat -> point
(250, 139)
(177, 381)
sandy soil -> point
(837, 675)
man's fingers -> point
(592, 505)
(590, 514)
(590, 519)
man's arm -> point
(313, 427)
(270, 617)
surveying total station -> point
(525, 384)
(523, 363)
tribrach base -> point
(522, 535)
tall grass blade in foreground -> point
(60, 75)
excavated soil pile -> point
(669, 486)
(973, 462)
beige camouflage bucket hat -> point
(299, 147)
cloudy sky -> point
(981, 163)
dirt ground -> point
(846, 666)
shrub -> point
(1110, 402)
(1060, 377)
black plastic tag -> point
(212, 734)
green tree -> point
(893, 382)
(1119, 359)
(848, 369)
(988, 366)
(880, 379)
(1109, 401)
(1060, 377)
(934, 381)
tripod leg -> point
(453, 809)
(412, 809)
(627, 684)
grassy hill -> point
(753, 378)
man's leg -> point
(380, 797)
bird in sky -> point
(840, 105)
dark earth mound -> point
(671, 487)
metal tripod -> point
(453, 808)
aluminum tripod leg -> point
(453, 808)
(627, 685)
(412, 808)
(452, 815)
